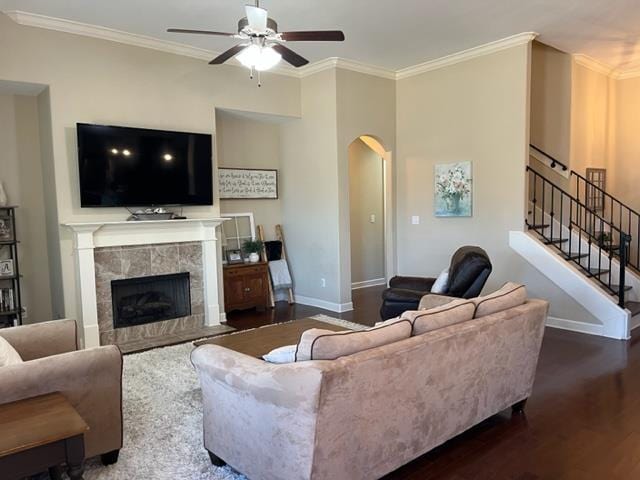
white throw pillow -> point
(286, 354)
(441, 282)
(8, 354)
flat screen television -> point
(135, 167)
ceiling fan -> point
(262, 45)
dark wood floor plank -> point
(581, 423)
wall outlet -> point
(372, 218)
(25, 312)
(415, 220)
(323, 282)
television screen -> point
(134, 167)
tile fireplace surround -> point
(106, 251)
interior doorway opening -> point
(367, 212)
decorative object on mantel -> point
(253, 248)
(145, 214)
(248, 183)
(453, 190)
(3, 196)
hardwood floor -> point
(581, 423)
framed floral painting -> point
(453, 190)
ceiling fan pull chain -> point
(259, 80)
(251, 73)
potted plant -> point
(253, 248)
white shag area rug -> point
(162, 406)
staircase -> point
(587, 243)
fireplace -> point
(138, 301)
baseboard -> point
(316, 302)
(368, 283)
(574, 326)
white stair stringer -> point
(579, 243)
(616, 321)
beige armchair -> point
(90, 379)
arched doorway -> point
(369, 197)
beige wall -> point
(243, 142)
(310, 191)
(624, 174)
(366, 105)
(551, 72)
(476, 111)
(96, 81)
(366, 199)
(21, 175)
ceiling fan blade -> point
(200, 32)
(257, 18)
(314, 36)
(224, 56)
(290, 56)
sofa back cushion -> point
(8, 354)
(509, 296)
(320, 344)
(456, 311)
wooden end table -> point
(41, 433)
(260, 341)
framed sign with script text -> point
(247, 183)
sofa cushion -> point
(509, 296)
(456, 311)
(320, 344)
(8, 354)
(430, 301)
(440, 285)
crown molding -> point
(104, 33)
(479, 51)
(354, 66)
(606, 69)
(592, 64)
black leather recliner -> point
(468, 272)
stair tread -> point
(555, 240)
(574, 255)
(633, 307)
(616, 288)
(596, 272)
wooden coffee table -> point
(41, 433)
(259, 341)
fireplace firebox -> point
(137, 301)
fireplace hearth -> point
(142, 300)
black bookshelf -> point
(11, 310)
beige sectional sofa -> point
(364, 415)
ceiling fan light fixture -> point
(260, 58)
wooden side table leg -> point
(75, 457)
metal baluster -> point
(552, 213)
(623, 262)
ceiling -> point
(385, 33)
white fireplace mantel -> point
(90, 235)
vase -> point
(3, 196)
(453, 204)
(254, 257)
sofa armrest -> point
(421, 284)
(277, 404)
(433, 300)
(401, 295)
(90, 379)
(40, 340)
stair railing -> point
(551, 205)
(625, 218)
